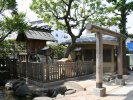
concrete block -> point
(59, 96)
(120, 81)
(74, 85)
(100, 91)
(79, 85)
(43, 98)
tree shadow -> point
(115, 94)
(129, 96)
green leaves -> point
(58, 50)
(14, 23)
(10, 4)
(129, 7)
(8, 47)
(11, 24)
(65, 13)
(7, 5)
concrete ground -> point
(113, 92)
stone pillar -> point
(99, 60)
(119, 79)
(99, 90)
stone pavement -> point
(113, 92)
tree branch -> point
(4, 36)
(2, 6)
(65, 2)
(83, 25)
(69, 8)
(54, 12)
(129, 6)
(74, 25)
(69, 28)
(116, 13)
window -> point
(107, 55)
(91, 54)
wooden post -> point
(112, 60)
(99, 60)
(26, 74)
(119, 59)
(47, 69)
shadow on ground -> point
(129, 96)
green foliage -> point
(112, 0)
(14, 23)
(7, 5)
(68, 14)
(58, 50)
(120, 9)
(10, 47)
(4, 48)
(61, 12)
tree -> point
(57, 50)
(12, 23)
(68, 15)
(121, 9)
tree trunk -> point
(122, 27)
(125, 67)
(69, 49)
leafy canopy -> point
(10, 47)
(7, 5)
(14, 23)
(119, 9)
(11, 22)
(67, 14)
(58, 50)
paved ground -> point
(114, 92)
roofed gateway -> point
(100, 90)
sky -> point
(23, 6)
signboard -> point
(130, 46)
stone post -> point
(99, 90)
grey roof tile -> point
(39, 35)
(90, 39)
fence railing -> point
(54, 71)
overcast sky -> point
(23, 6)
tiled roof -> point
(36, 35)
(90, 39)
(39, 35)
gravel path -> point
(113, 92)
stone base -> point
(119, 81)
(100, 91)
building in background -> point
(59, 35)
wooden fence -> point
(54, 71)
(9, 66)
